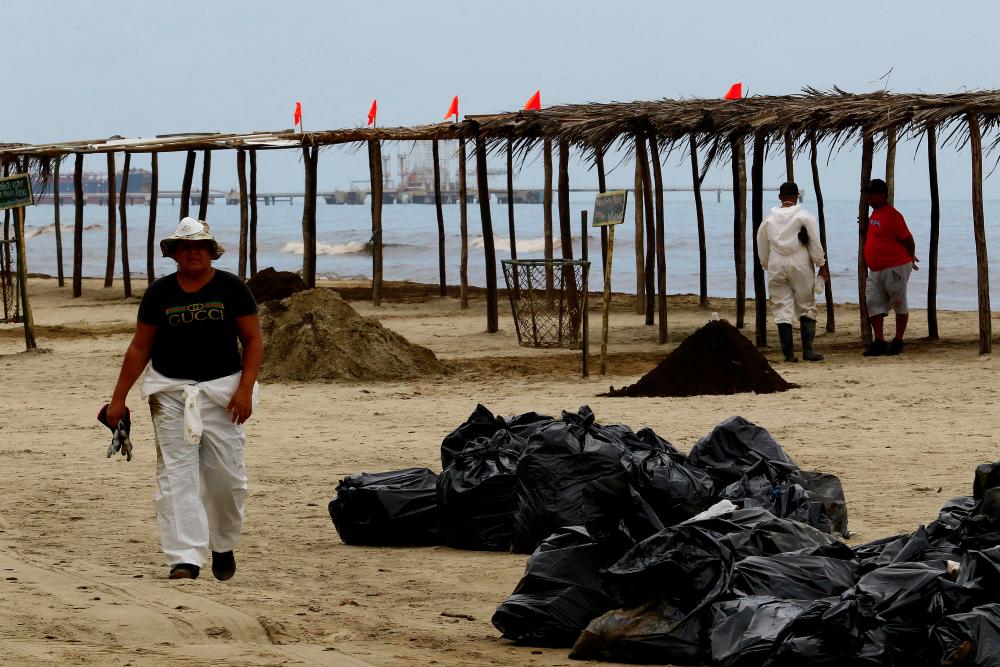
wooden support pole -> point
(57, 220)
(649, 266)
(890, 164)
(122, 205)
(585, 308)
(309, 159)
(932, 264)
(602, 186)
(206, 176)
(489, 252)
(607, 299)
(700, 215)
(186, 184)
(154, 192)
(241, 179)
(510, 198)
(789, 156)
(442, 277)
(565, 229)
(22, 277)
(109, 269)
(78, 227)
(979, 227)
(867, 151)
(757, 203)
(831, 322)
(375, 166)
(640, 271)
(739, 164)
(253, 212)
(547, 217)
(661, 244)
(463, 225)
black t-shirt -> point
(196, 337)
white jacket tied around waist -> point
(218, 391)
(778, 236)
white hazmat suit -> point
(791, 277)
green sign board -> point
(15, 191)
(609, 208)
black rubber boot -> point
(787, 337)
(807, 328)
(223, 565)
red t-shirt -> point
(883, 244)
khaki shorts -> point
(887, 289)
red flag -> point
(373, 112)
(298, 113)
(735, 91)
(534, 102)
(453, 109)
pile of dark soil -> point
(316, 336)
(715, 359)
(271, 285)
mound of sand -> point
(715, 359)
(316, 336)
(270, 285)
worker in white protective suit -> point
(789, 248)
(201, 387)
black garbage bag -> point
(775, 535)
(746, 630)
(826, 490)
(944, 533)
(388, 508)
(971, 639)
(889, 550)
(804, 643)
(477, 493)
(987, 477)
(567, 478)
(560, 593)
(675, 490)
(732, 447)
(657, 632)
(507, 432)
(792, 576)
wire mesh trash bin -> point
(548, 299)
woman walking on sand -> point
(201, 389)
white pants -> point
(791, 282)
(200, 476)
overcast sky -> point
(80, 70)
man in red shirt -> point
(890, 254)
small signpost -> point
(15, 192)
(609, 210)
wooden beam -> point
(510, 198)
(122, 205)
(739, 165)
(78, 227)
(241, 179)
(375, 166)
(789, 156)
(463, 226)
(757, 203)
(979, 227)
(154, 192)
(890, 164)
(492, 321)
(206, 176)
(442, 277)
(253, 212)
(700, 215)
(867, 151)
(547, 233)
(649, 266)
(602, 186)
(640, 271)
(661, 244)
(56, 220)
(186, 183)
(565, 224)
(932, 265)
(109, 268)
(309, 159)
(831, 322)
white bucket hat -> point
(190, 229)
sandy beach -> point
(81, 575)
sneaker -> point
(184, 571)
(895, 347)
(876, 349)
(223, 565)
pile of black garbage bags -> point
(725, 556)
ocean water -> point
(410, 238)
